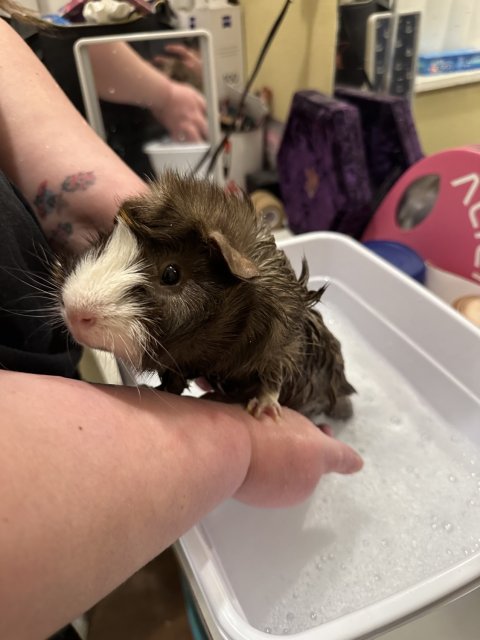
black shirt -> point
(29, 342)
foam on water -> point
(413, 511)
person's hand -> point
(183, 113)
(288, 458)
(188, 57)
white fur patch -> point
(98, 286)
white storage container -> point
(178, 156)
(371, 550)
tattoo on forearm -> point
(51, 205)
(78, 181)
(47, 201)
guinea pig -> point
(191, 284)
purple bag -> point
(390, 138)
(322, 168)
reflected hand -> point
(183, 113)
(190, 58)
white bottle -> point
(435, 25)
(457, 35)
(474, 34)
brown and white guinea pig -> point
(191, 284)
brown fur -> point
(239, 317)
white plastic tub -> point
(245, 563)
(182, 157)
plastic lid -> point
(401, 256)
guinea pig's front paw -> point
(266, 404)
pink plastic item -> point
(435, 209)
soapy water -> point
(412, 512)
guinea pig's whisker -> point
(32, 313)
(127, 354)
(26, 313)
(105, 342)
(138, 334)
(48, 323)
(40, 253)
(161, 365)
(37, 296)
(160, 345)
(34, 278)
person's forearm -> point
(72, 178)
(122, 75)
(94, 482)
(97, 480)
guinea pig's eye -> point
(171, 275)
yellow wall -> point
(448, 118)
(303, 53)
(302, 57)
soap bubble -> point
(411, 502)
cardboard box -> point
(225, 25)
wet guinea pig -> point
(190, 284)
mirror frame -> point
(89, 92)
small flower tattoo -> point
(78, 181)
(46, 200)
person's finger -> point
(203, 128)
(178, 50)
(289, 456)
(201, 125)
(338, 457)
(189, 133)
(201, 102)
(161, 61)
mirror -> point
(123, 81)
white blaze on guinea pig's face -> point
(97, 307)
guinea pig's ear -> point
(239, 265)
(125, 218)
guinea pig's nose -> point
(86, 321)
(81, 319)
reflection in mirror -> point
(147, 95)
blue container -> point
(401, 256)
